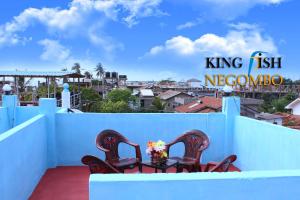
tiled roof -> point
(168, 94)
(204, 104)
(147, 93)
(267, 116)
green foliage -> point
(273, 104)
(267, 105)
(166, 81)
(158, 104)
(96, 82)
(114, 107)
(88, 94)
(120, 95)
(42, 91)
(280, 104)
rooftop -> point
(146, 93)
(268, 116)
(170, 94)
(203, 104)
(41, 149)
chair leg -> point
(140, 167)
(179, 169)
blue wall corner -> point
(231, 108)
(10, 102)
(47, 106)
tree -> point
(65, 79)
(76, 67)
(280, 104)
(88, 75)
(267, 104)
(91, 100)
(115, 107)
(89, 94)
(100, 74)
(158, 105)
(120, 95)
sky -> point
(146, 39)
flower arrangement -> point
(157, 150)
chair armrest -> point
(169, 145)
(131, 143)
(209, 165)
(138, 153)
(102, 149)
(199, 153)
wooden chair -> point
(195, 142)
(108, 141)
(97, 165)
(222, 166)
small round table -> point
(163, 167)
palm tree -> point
(100, 73)
(65, 79)
(76, 68)
(88, 75)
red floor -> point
(71, 183)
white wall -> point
(296, 109)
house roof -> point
(169, 94)
(268, 116)
(203, 104)
(293, 104)
(146, 93)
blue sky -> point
(146, 39)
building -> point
(290, 120)
(145, 98)
(172, 99)
(271, 118)
(250, 107)
(110, 81)
(294, 106)
(204, 104)
(194, 83)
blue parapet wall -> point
(4, 123)
(23, 158)
(76, 133)
(275, 185)
(55, 137)
(264, 146)
(24, 113)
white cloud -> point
(227, 9)
(76, 15)
(241, 40)
(54, 51)
(189, 24)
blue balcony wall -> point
(4, 123)
(263, 146)
(76, 133)
(23, 158)
(258, 185)
(24, 113)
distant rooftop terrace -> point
(41, 149)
